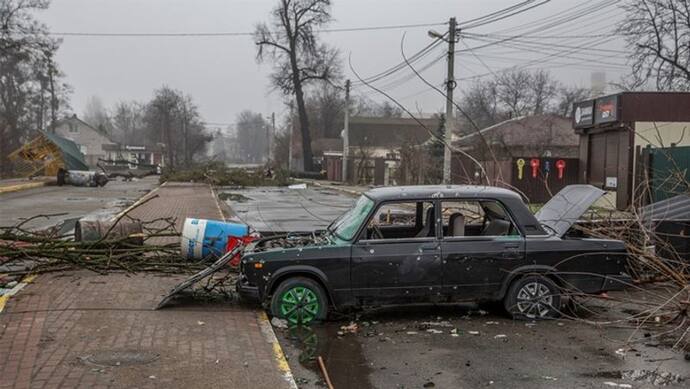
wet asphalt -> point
(459, 346)
(70, 202)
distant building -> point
(91, 141)
(143, 156)
(598, 84)
(375, 144)
(537, 135)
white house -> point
(91, 141)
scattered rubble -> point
(279, 323)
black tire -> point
(312, 307)
(533, 297)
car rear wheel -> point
(299, 300)
(533, 297)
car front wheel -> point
(299, 300)
(533, 297)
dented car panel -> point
(378, 261)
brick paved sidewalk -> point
(53, 328)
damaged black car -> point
(436, 244)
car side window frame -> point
(361, 237)
(519, 236)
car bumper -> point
(247, 292)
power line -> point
(396, 68)
(232, 34)
(492, 16)
(494, 20)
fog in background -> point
(224, 78)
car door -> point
(476, 263)
(401, 267)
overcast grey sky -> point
(223, 77)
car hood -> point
(567, 206)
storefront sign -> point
(606, 109)
(583, 113)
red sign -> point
(560, 165)
(534, 163)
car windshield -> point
(345, 226)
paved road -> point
(74, 201)
(413, 347)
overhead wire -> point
(232, 34)
(508, 15)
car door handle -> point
(429, 247)
(512, 246)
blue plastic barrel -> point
(202, 237)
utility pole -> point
(271, 134)
(450, 117)
(346, 130)
(292, 130)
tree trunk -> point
(302, 113)
(304, 129)
(53, 98)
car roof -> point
(439, 191)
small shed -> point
(46, 154)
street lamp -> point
(436, 35)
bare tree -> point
(128, 122)
(31, 92)
(511, 94)
(299, 58)
(544, 89)
(658, 33)
(252, 136)
(326, 109)
(567, 96)
(480, 102)
(173, 119)
(513, 90)
(97, 115)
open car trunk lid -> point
(567, 206)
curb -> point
(24, 186)
(278, 354)
(4, 298)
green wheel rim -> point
(299, 305)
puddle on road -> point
(342, 355)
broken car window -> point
(345, 227)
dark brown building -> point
(616, 130)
